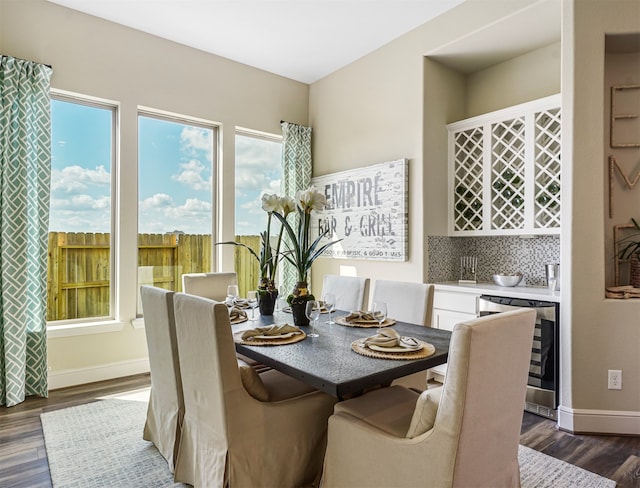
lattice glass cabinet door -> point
(507, 174)
(547, 169)
(504, 171)
(468, 173)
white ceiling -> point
(304, 40)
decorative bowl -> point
(507, 280)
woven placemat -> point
(237, 337)
(239, 320)
(341, 320)
(426, 351)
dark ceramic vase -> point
(267, 301)
(299, 303)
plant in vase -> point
(268, 255)
(301, 252)
(630, 249)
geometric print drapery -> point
(296, 170)
(25, 173)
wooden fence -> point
(79, 271)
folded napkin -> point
(270, 330)
(237, 314)
(360, 317)
(241, 303)
(391, 338)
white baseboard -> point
(598, 421)
(72, 377)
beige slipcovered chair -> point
(407, 302)
(209, 285)
(166, 404)
(214, 286)
(350, 291)
(463, 434)
(229, 438)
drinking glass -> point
(329, 300)
(252, 300)
(281, 301)
(380, 313)
(312, 311)
(232, 296)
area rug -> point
(100, 445)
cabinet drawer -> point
(446, 320)
(456, 302)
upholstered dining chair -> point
(166, 404)
(464, 433)
(229, 437)
(209, 285)
(407, 302)
(351, 292)
(214, 286)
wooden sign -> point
(368, 209)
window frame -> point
(216, 128)
(259, 135)
(111, 322)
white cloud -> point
(191, 175)
(82, 203)
(158, 200)
(250, 179)
(158, 214)
(193, 139)
(74, 179)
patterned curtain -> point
(25, 171)
(296, 168)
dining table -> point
(329, 363)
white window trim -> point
(96, 325)
(216, 157)
(83, 328)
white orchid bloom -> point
(270, 203)
(287, 205)
(311, 199)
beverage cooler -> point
(542, 385)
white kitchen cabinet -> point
(504, 171)
(449, 308)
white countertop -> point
(526, 292)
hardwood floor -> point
(23, 458)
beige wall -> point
(598, 334)
(363, 115)
(94, 57)
(375, 110)
(528, 77)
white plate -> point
(374, 347)
(281, 336)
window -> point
(258, 170)
(175, 209)
(80, 271)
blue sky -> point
(174, 173)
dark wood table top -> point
(329, 364)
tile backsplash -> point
(496, 254)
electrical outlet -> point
(615, 379)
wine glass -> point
(312, 311)
(329, 300)
(252, 300)
(380, 313)
(281, 301)
(232, 296)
